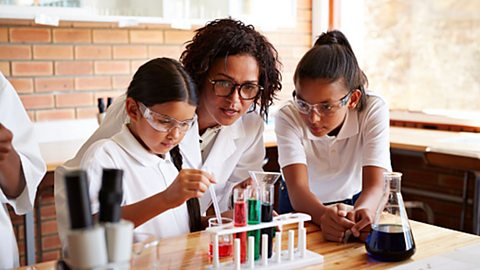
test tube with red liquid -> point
(240, 215)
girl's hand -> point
(334, 223)
(363, 218)
(189, 183)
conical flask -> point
(391, 236)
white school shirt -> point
(14, 118)
(335, 163)
(144, 174)
(238, 148)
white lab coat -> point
(14, 118)
(237, 149)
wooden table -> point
(190, 251)
(460, 147)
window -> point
(179, 13)
(420, 55)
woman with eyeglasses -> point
(333, 140)
(159, 197)
(236, 71)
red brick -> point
(37, 101)
(74, 99)
(22, 85)
(55, 114)
(17, 22)
(165, 51)
(112, 67)
(32, 68)
(21, 246)
(52, 52)
(47, 211)
(51, 255)
(110, 36)
(90, 112)
(30, 34)
(136, 64)
(50, 242)
(15, 52)
(74, 68)
(72, 36)
(53, 84)
(94, 24)
(93, 83)
(146, 36)
(5, 68)
(121, 82)
(3, 35)
(93, 52)
(49, 227)
(129, 52)
(178, 36)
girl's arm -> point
(366, 205)
(331, 219)
(189, 183)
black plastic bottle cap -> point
(110, 195)
(76, 184)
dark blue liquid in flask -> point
(391, 238)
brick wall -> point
(59, 72)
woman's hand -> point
(189, 183)
(334, 223)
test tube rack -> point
(281, 259)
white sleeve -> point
(376, 136)
(14, 117)
(289, 139)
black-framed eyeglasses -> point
(324, 108)
(246, 91)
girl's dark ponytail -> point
(193, 204)
(333, 37)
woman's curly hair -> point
(225, 37)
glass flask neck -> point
(392, 181)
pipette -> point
(216, 208)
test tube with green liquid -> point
(254, 215)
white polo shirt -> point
(144, 174)
(335, 162)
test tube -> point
(254, 215)
(240, 196)
(267, 213)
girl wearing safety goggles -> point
(333, 140)
(159, 197)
